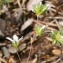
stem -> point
(37, 18)
(18, 1)
(30, 53)
(19, 57)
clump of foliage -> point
(40, 30)
(15, 43)
(39, 9)
(57, 37)
(2, 2)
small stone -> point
(5, 52)
(12, 50)
(56, 52)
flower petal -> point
(9, 39)
(43, 27)
(61, 37)
(15, 38)
(21, 38)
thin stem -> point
(30, 53)
(37, 18)
(18, 1)
(19, 57)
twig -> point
(19, 57)
(37, 22)
(58, 9)
(50, 24)
(61, 56)
(57, 24)
(18, 1)
(57, 60)
(50, 59)
(49, 39)
(55, 17)
(30, 53)
(2, 44)
(55, 11)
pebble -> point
(56, 52)
(12, 50)
(6, 52)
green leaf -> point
(39, 30)
(40, 9)
(57, 37)
(15, 45)
(7, 1)
(1, 3)
(4, 1)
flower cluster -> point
(40, 30)
(39, 9)
(57, 37)
(15, 41)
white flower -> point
(43, 27)
(15, 39)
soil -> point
(38, 50)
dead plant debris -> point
(17, 17)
